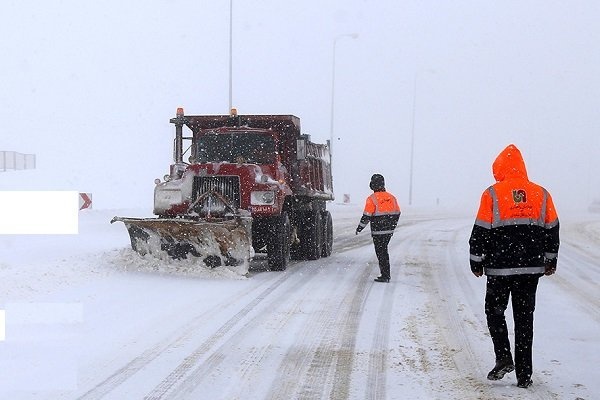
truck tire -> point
(327, 234)
(278, 246)
(312, 238)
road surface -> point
(320, 330)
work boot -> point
(502, 368)
(381, 279)
(524, 383)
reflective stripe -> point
(551, 224)
(362, 225)
(375, 203)
(495, 207)
(382, 232)
(550, 256)
(378, 214)
(514, 271)
(476, 258)
(483, 224)
(543, 213)
(519, 221)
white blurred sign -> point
(2, 325)
(39, 212)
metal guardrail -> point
(13, 161)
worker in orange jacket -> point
(382, 211)
(514, 241)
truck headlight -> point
(261, 198)
(164, 199)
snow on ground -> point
(86, 318)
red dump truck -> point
(249, 184)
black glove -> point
(550, 266)
(477, 268)
(358, 229)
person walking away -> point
(382, 211)
(514, 241)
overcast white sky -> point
(89, 86)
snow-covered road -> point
(88, 319)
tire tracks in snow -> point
(186, 376)
(321, 365)
(131, 368)
(434, 246)
(376, 376)
(572, 276)
(191, 370)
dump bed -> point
(309, 168)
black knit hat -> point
(377, 182)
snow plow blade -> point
(216, 242)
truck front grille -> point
(227, 186)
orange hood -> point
(509, 164)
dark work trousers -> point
(381, 251)
(522, 289)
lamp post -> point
(412, 137)
(230, 56)
(412, 142)
(335, 40)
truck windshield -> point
(238, 147)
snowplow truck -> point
(250, 184)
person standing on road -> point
(514, 241)
(383, 212)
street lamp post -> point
(412, 142)
(335, 40)
(230, 56)
(412, 137)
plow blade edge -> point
(226, 242)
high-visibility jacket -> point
(517, 229)
(382, 211)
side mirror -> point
(176, 171)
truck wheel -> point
(312, 245)
(278, 246)
(327, 234)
